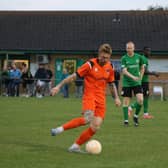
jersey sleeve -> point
(146, 61)
(84, 69)
(111, 76)
(142, 61)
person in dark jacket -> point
(27, 81)
(48, 80)
(6, 78)
(40, 77)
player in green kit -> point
(145, 85)
(133, 69)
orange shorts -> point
(99, 109)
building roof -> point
(82, 30)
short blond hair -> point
(130, 42)
(106, 48)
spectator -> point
(15, 78)
(28, 81)
(48, 81)
(24, 76)
(79, 87)
(40, 76)
(65, 88)
(6, 79)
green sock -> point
(133, 105)
(138, 108)
(145, 104)
(125, 112)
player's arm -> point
(143, 64)
(67, 80)
(113, 91)
(147, 72)
(142, 70)
(125, 72)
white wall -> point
(159, 65)
(33, 68)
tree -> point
(157, 8)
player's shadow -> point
(34, 147)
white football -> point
(93, 147)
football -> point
(93, 147)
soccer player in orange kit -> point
(97, 72)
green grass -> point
(25, 140)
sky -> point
(79, 4)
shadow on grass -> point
(32, 146)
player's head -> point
(147, 51)
(104, 54)
(130, 47)
(41, 65)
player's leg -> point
(145, 87)
(95, 123)
(86, 134)
(126, 101)
(85, 119)
(131, 108)
(127, 94)
(138, 104)
(76, 122)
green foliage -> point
(25, 140)
(157, 8)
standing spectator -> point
(27, 81)
(65, 88)
(79, 87)
(24, 76)
(40, 76)
(6, 78)
(48, 80)
(15, 78)
(30, 84)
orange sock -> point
(74, 123)
(85, 136)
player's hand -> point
(55, 90)
(136, 78)
(117, 102)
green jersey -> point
(145, 76)
(133, 65)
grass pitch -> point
(25, 140)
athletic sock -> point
(85, 136)
(133, 105)
(145, 105)
(59, 130)
(138, 108)
(125, 112)
(74, 123)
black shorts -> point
(145, 88)
(127, 91)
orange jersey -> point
(96, 78)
